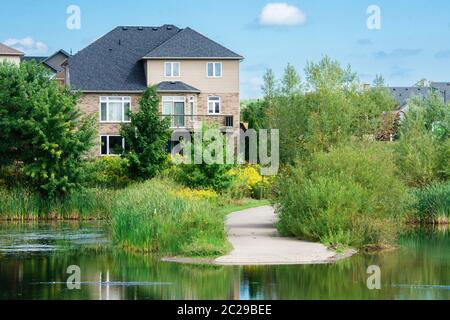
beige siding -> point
(10, 59)
(194, 73)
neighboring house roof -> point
(189, 44)
(56, 60)
(115, 61)
(443, 87)
(175, 86)
(403, 94)
(8, 51)
(53, 62)
(32, 58)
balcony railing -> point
(195, 121)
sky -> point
(407, 41)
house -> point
(9, 54)
(197, 79)
(403, 94)
(54, 63)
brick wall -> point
(90, 104)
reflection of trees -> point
(423, 260)
(187, 282)
(420, 261)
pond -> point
(34, 259)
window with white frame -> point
(172, 69)
(214, 105)
(115, 109)
(112, 145)
(214, 69)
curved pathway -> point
(256, 242)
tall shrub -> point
(423, 150)
(42, 129)
(348, 196)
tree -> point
(291, 82)
(269, 88)
(328, 74)
(146, 138)
(379, 81)
(42, 129)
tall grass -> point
(151, 217)
(432, 204)
(85, 204)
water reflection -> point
(420, 270)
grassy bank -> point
(86, 204)
(161, 217)
(431, 205)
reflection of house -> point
(9, 54)
(54, 63)
(196, 78)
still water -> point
(34, 259)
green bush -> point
(155, 217)
(349, 196)
(107, 172)
(42, 128)
(214, 175)
(423, 151)
(432, 204)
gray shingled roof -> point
(443, 87)
(403, 94)
(176, 86)
(114, 62)
(189, 43)
(8, 51)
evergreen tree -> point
(146, 138)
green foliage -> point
(336, 112)
(42, 129)
(152, 217)
(291, 83)
(206, 176)
(422, 153)
(348, 196)
(432, 204)
(255, 115)
(107, 172)
(85, 204)
(146, 138)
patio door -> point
(178, 109)
(175, 108)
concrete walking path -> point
(256, 242)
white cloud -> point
(28, 45)
(281, 14)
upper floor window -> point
(214, 69)
(172, 69)
(214, 105)
(115, 109)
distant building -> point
(54, 63)
(9, 54)
(403, 94)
